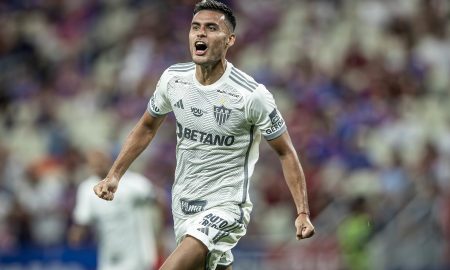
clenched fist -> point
(105, 189)
(305, 229)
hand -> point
(305, 229)
(105, 189)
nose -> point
(201, 32)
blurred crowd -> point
(364, 86)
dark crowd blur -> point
(363, 85)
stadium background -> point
(363, 85)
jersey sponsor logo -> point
(179, 104)
(228, 93)
(203, 137)
(192, 207)
(277, 122)
(197, 112)
(221, 114)
(181, 82)
(153, 105)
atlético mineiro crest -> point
(221, 114)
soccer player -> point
(126, 227)
(221, 113)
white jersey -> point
(124, 225)
(218, 129)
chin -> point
(201, 63)
(199, 60)
(196, 61)
(204, 60)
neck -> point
(210, 73)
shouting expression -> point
(210, 37)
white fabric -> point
(218, 129)
(219, 229)
(124, 225)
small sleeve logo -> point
(276, 120)
(153, 105)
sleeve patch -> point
(276, 120)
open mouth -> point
(200, 47)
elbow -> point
(287, 153)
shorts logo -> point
(221, 114)
(214, 221)
(192, 207)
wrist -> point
(114, 173)
(306, 213)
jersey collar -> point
(219, 82)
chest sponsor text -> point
(204, 137)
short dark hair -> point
(217, 6)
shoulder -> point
(181, 68)
(136, 181)
(134, 176)
(243, 81)
(176, 71)
(86, 187)
(89, 182)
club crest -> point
(221, 114)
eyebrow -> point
(227, 27)
(207, 23)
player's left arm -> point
(295, 179)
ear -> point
(231, 40)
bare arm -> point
(138, 139)
(295, 179)
(76, 235)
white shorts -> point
(218, 228)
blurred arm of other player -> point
(76, 235)
(138, 139)
(295, 179)
(158, 210)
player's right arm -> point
(138, 139)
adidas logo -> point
(204, 230)
(179, 104)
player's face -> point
(209, 37)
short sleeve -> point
(263, 113)
(82, 213)
(159, 104)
